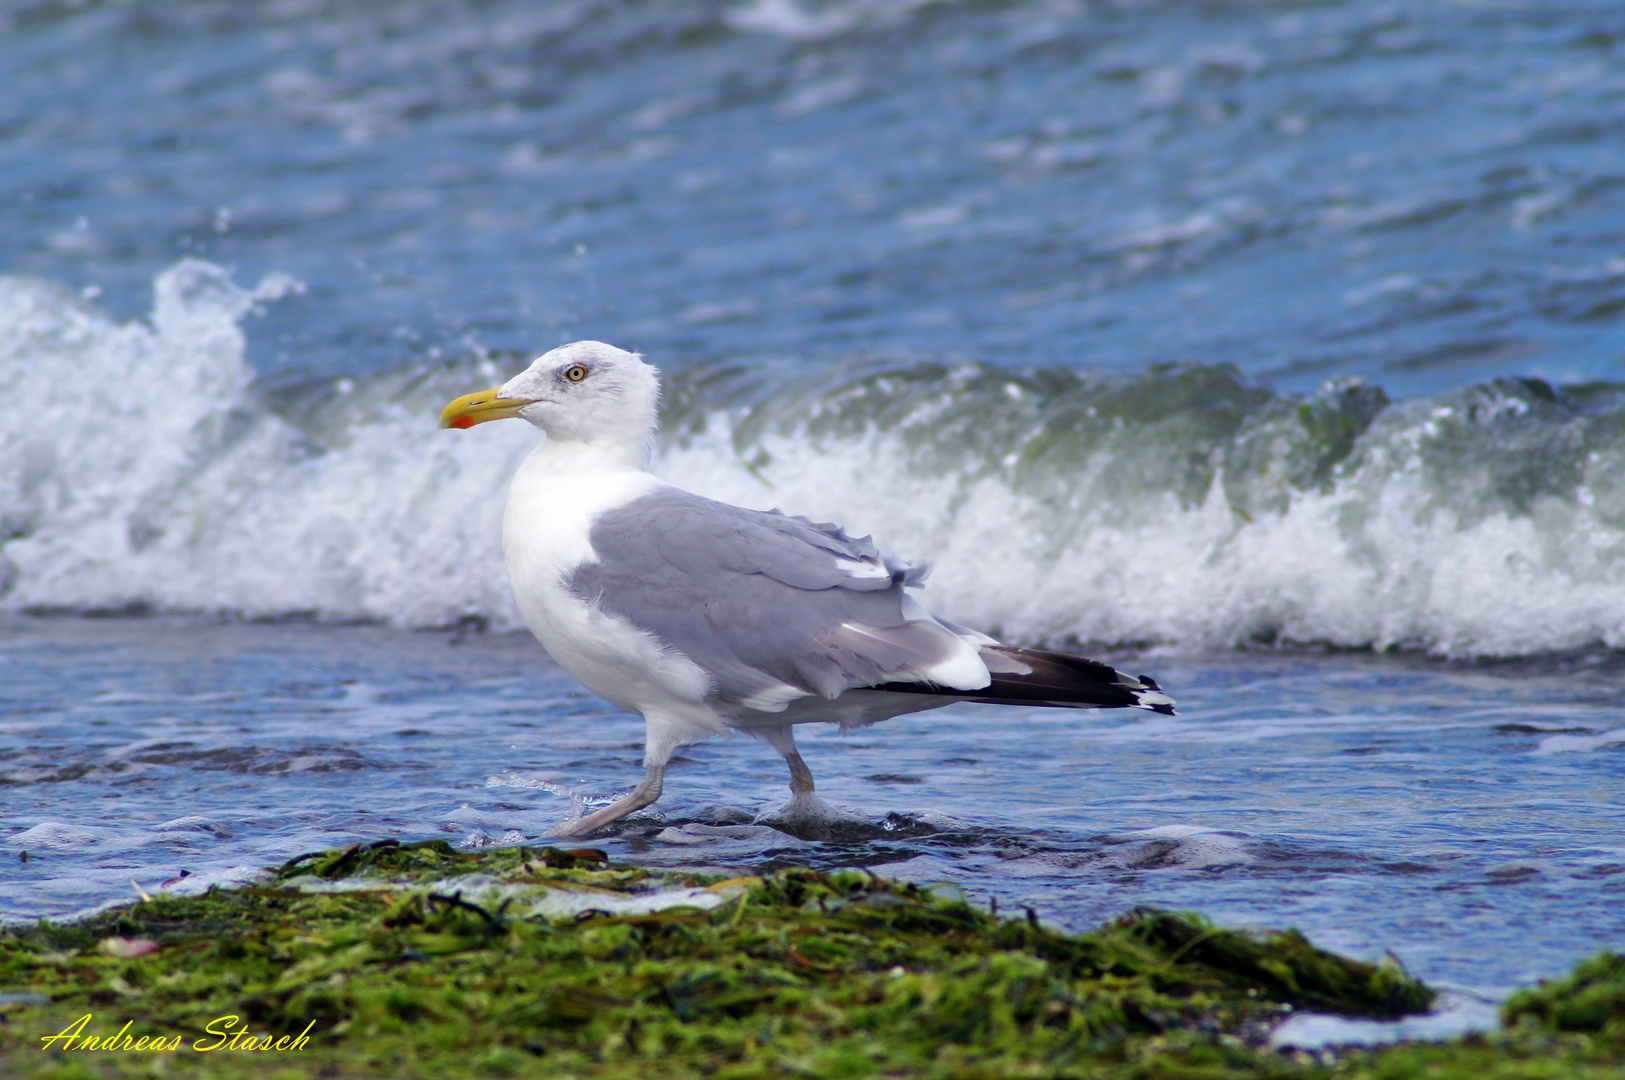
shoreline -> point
(403, 960)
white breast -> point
(552, 504)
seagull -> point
(704, 617)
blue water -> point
(1276, 347)
(1467, 817)
(1424, 193)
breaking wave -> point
(143, 466)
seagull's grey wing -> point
(772, 607)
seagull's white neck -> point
(583, 457)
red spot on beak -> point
(463, 422)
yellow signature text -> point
(227, 1032)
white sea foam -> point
(1376, 560)
(1457, 1013)
(1569, 744)
(787, 18)
(138, 466)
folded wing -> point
(772, 607)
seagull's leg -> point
(801, 777)
(804, 802)
(655, 756)
(647, 791)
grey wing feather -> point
(759, 600)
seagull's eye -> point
(576, 372)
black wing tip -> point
(1061, 681)
(1165, 707)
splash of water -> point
(141, 467)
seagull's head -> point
(582, 392)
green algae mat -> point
(420, 961)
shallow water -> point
(1469, 818)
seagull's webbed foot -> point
(805, 808)
(647, 791)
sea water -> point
(1273, 350)
(1464, 817)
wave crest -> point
(141, 465)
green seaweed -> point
(1591, 1000)
(416, 960)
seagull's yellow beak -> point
(471, 409)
